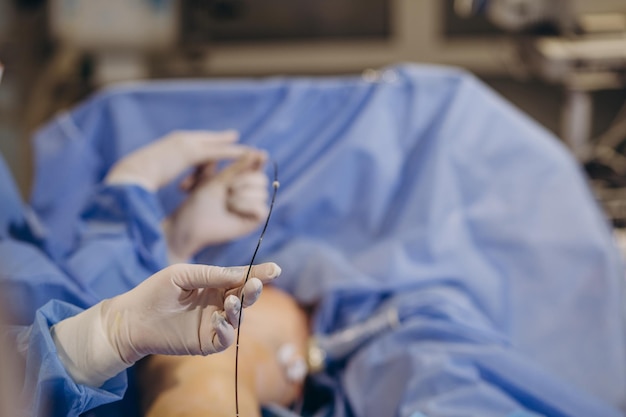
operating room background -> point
(57, 52)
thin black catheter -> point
(275, 185)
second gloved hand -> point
(181, 310)
(221, 206)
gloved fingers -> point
(249, 195)
(199, 147)
(190, 277)
(162, 161)
(251, 291)
(249, 181)
(206, 149)
(232, 307)
(222, 334)
(258, 158)
(265, 272)
(250, 161)
(249, 205)
(253, 194)
(259, 275)
(199, 175)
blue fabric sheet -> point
(48, 388)
(427, 192)
(117, 244)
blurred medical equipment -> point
(208, 21)
(519, 15)
(326, 349)
(584, 52)
(125, 36)
(121, 34)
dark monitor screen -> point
(283, 20)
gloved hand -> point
(161, 162)
(181, 310)
(221, 206)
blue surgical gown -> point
(422, 191)
(117, 245)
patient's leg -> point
(205, 386)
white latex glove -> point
(161, 162)
(221, 206)
(181, 310)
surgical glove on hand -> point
(161, 162)
(221, 206)
(181, 310)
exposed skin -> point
(186, 386)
